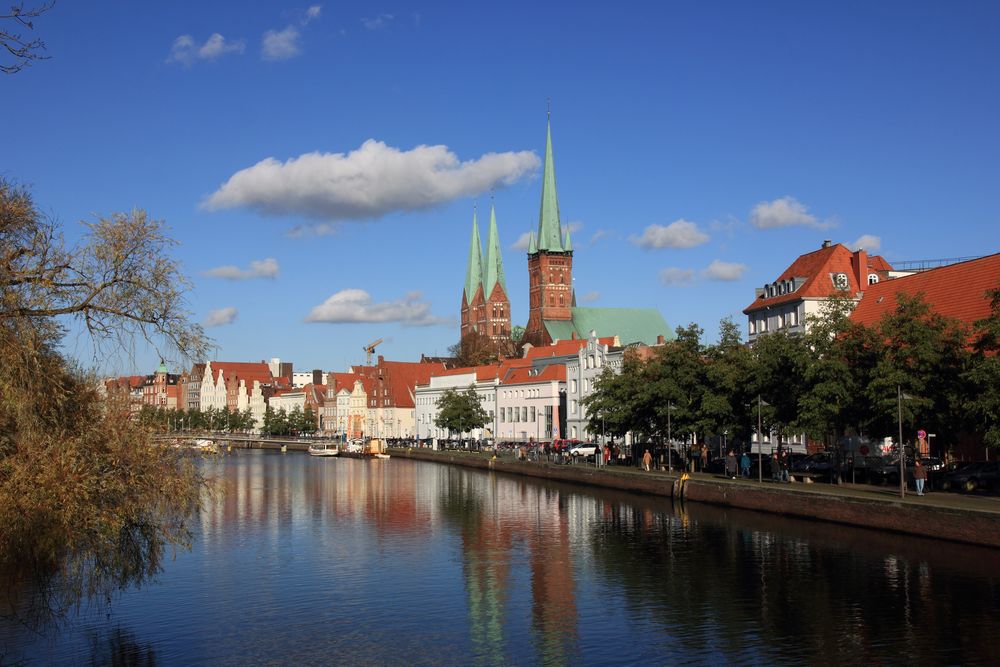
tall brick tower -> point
(550, 261)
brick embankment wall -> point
(955, 524)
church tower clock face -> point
(840, 281)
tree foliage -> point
(461, 412)
(88, 501)
(839, 378)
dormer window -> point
(872, 278)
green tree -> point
(308, 423)
(675, 384)
(728, 392)
(982, 378)
(778, 373)
(925, 355)
(460, 412)
(831, 386)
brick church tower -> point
(485, 305)
(550, 261)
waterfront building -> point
(390, 388)
(531, 403)
(483, 379)
(237, 386)
(799, 292)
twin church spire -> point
(484, 271)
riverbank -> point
(949, 516)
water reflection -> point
(342, 561)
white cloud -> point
(221, 316)
(280, 44)
(378, 22)
(522, 242)
(355, 306)
(785, 211)
(675, 276)
(869, 242)
(598, 235)
(367, 183)
(259, 268)
(312, 13)
(727, 271)
(678, 234)
(186, 50)
(590, 297)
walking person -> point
(745, 465)
(731, 464)
(647, 459)
(704, 458)
(919, 476)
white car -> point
(585, 449)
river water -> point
(338, 561)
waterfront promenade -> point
(970, 518)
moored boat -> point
(323, 449)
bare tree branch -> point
(21, 49)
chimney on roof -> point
(572, 336)
(826, 243)
(660, 340)
(860, 261)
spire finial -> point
(548, 108)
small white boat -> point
(323, 449)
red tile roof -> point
(563, 348)
(957, 290)
(552, 372)
(817, 268)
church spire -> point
(549, 231)
(493, 266)
(474, 272)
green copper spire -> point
(532, 246)
(493, 269)
(549, 231)
(567, 246)
(474, 273)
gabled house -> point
(800, 290)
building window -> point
(753, 325)
(572, 386)
(573, 406)
(532, 413)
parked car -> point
(817, 463)
(973, 476)
(584, 449)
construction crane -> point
(370, 349)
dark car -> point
(979, 475)
(818, 463)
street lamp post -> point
(670, 439)
(902, 450)
(760, 440)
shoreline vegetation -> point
(90, 504)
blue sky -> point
(319, 163)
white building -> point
(528, 403)
(484, 379)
